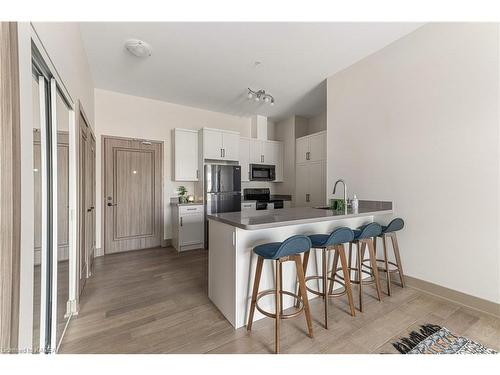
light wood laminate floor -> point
(155, 301)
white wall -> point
(317, 123)
(418, 123)
(123, 115)
(63, 42)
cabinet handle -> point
(221, 152)
(249, 176)
(191, 209)
(307, 197)
(197, 173)
(181, 221)
(224, 152)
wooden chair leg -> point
(343, 261)
(358, 275)
(373, 262)
(386, 262)
(277, 298)
(258, 273)
(324, 291)
(303, 293)
(304, 267)
(334, 271)
(395, 246)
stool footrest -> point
(264, 293)
(318, 293)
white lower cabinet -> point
(188, 227)
(310, 184)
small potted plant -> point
(182, 193)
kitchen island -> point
(233, 235)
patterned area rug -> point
(433, 339)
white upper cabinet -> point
(256, 155)
(311, 148)
(220, 144)
(185, 155)
(230, 146)
(245, 158)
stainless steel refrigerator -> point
(222, 190)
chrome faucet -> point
(345, 191)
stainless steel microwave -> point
(262, 172)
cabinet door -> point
(212, 144)
(256, 151)
(301, 185)
(186, 155)
(301, 150)
(278, 157)
(317, 182)
(230, 145)
(245, 159)
(317, 147)
(270, 152)
(191, 229)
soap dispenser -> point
(355, 203)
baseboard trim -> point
(166, 242)
(464, 299)
(99, 252)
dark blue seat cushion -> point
(395, 225)
(267, 250)
(367, 231)
(291, 246)
(338, 236)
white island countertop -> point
(262, 219)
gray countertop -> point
(263, 219)
(186, 204)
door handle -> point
(111, 204)
(92, 208)
(307, 197)
(181, 221)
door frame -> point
(79, 217)
(10, 171)
(102, 200)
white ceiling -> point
(210, 65)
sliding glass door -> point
(54, 200)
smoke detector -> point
(138, 47)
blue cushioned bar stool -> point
(331, 242)
(280, 252)
(389, 231)
(363, 238)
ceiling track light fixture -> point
(260, 95)
(138, 48)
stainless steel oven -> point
(262, 172)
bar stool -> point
(363, 238)
(280, 252)
(328, 242)
(390, 231)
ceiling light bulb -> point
(257, 98)
(272, 102)
(250, 95)
(266, 99)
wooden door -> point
(212, 144)
(231, 145)
(132, 194)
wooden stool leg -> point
(277, 320)
(395, 246)
(281, 286)
(350, 261)
(258, 273)
(334, 271)
(373, 262)
(386, 261)
(304, 263)
(358, 275)
(325, 278)
(303, 293)
(343, 261)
